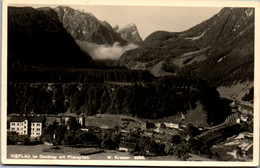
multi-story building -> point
(27, 125)
(33, 125)
(19, 125)
(36, 126)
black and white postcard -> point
(130, 83)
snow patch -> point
(196, 37)
(236, 142)
(236, 27)
(221, 59)
(134, 33)
(249, 12)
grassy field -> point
(197, 117)
(235, 91)
(107, 120)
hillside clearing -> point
(191, 56)
(196, 117)
(235, 91)
(157, 69)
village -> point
(166, 137)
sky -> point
(149, 18)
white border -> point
(4, 159)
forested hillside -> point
(36, 37)
(231, 59)
(160, 98)
(219, 50)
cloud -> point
(97, 51)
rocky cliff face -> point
(130, 34)
(86, 27)
(37, 38)
(219, 50)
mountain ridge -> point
(86, 27)
(229, 33)
(37, 38)
(131, 34)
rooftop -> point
(29, 118)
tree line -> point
(160, 98)
(68, 75)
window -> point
(38, 129)
(33, 124)
(33, 129)
(18, 124)
(13, 128)
(25, 132)
(38, 124)
(38, 134)
(13, 123)
(17, 128)
(24, 127)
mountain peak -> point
(106, 24)
(130, 34)
(85, 26)
(129, 26)
(64, 8)
(116, 28)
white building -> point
(27, 125)
(172, 125)
(36, 129)
(19, 125)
